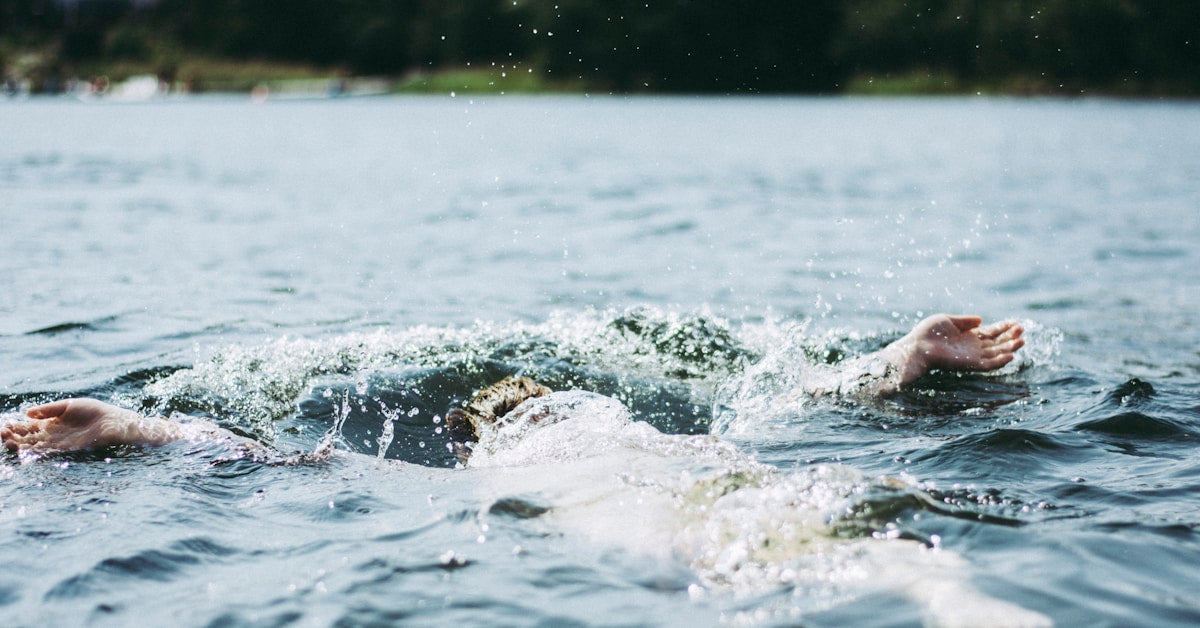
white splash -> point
(743, 527)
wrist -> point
(908, 359)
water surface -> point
(299, 267)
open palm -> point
(959, 343)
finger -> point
(965, 323)
(1014, 331)
(1010, 346)
(992, 364)
(16, 441)
(1005, 346)
(996, 329)
(21, 429)
(48, 410)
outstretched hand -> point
(71, 425)
(959, 343)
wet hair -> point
(488, 406)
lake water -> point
(347, 269)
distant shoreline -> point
(261, 80)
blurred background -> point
(332, 47)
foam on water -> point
(743, 528)
(257, 385)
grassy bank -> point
(935, 83)
(483, 81)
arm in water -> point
(78, 424)
(941, 341)
(938, 342)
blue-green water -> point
(293, 268)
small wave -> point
(1138, 425)
(1082, 492)
(71, 326)
(60, 328)
(1005, 451)
(1135, 410)
(1132, 391)
(1179, 531)
(154, 565)
(1139, 253)
(956, 394)
(1010, 440)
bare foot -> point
(75, 424)
(957, 343)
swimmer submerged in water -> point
(941, 341)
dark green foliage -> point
(1061, 46)
(736, 46)
(689, 46)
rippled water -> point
(351, 268)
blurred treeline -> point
(1136, 47)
